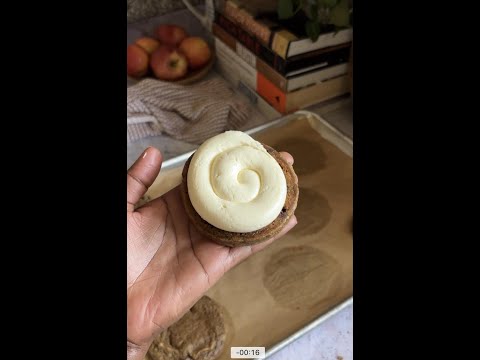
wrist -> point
(136, 352)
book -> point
(248, 16)
(237, 70)
(290, 102)
(291, 82)
(243, 84)
(226, 58)
(286, 37)
(331, 56)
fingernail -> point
(147, 154)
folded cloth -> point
(191, 113)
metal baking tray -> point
(329, 132)
(171, 176)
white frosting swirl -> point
(235, 184)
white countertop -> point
(331, 340)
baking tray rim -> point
(331, 133)
(341, 141)
(310, 326)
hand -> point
(169, 264)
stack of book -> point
(274, 59)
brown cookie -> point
(234, 239)
(198, 335)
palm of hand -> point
(169, 264)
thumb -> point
(141, 175)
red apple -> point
(168, 63)
(169, 34)
(148, 44)
(137, 61)
(196, 51)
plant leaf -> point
(340, 15)
(330, 3)
(285, 9)
(312, 28)
(313, 11)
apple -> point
(170, 34)
(148, 44)
(168, 63)
(137, 61)
(196, 51)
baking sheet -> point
(301, 279)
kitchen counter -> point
(337, 112)
(333, 339)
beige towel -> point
(191, 113)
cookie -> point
(199, 335)
(234, 239)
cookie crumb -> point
(143, 200)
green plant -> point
(323, 15)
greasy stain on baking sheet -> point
(313, 212)
(301, 276)
(309, 156)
